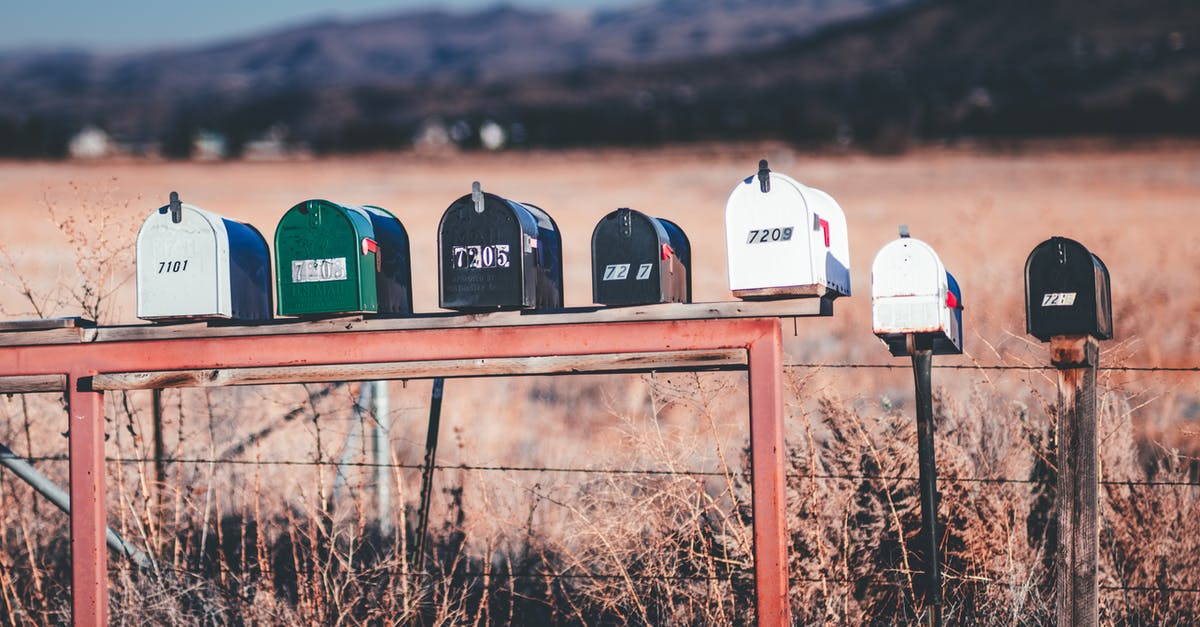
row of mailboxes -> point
(784, 240)
(917, 304)
(496, 253)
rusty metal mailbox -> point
(193, 264)
(785, 240)
(1066, 291)
(640, 260)
(912, 294)
(496, 253)
(333, 259)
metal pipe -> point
(47, 488)
(160, 447)
(922, 361)
(360, 414)
(383, 459)
(431, 438)
(768, 454)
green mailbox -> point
(332, 259)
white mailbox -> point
(193, 264)
(785, 239)
(912, 294)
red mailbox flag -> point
(371, 246)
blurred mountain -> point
(871, 71)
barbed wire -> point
(594, 471)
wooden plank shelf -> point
(734, 359)
(33, 384)
(791, 308)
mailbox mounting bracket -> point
(79, 358)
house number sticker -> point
(482, 256)
(1058, 299)
(762, 236)
(620, 272)
(317, 270)
(615, 271)
(165, 267)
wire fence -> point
(733, 575)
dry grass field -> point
(260, 542)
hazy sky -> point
(117, 25)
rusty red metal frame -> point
(761, 337)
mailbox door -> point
(249, 272)
(183, 268)
(483, 261)
(908, 289)
(1063, 291)
(321, 267)
(627, 259)
(393, 281)
(547, 257)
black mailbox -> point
(1066, 291)
(640, 260)
(496, 253)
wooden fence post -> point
(1075, 583)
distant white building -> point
(91, 142)
(433, 135)
(492, 136)
(270, 146)
(209, 146)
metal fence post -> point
(89, 554)
(922, 361)
(767, 453)
(383, 458)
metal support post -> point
(1076, 587)
(431, 440)
(160, 447)
(922, 361)
(383, 457)
(50, 490)
(89, 554)
(767, 453)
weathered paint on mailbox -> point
(640, 260)
(785, 239)
(913, 294)
(333, 258)
(496, 253)
(1067, 291)
(194, 264)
